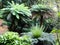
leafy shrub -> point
(12, 38)
(25, 40)
(9, 38)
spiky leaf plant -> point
(16, 9)
(39, 7)
(37, 31)
(17, 14)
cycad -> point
(42, 12)
(17, 9)
(44, 15)
(17, 14)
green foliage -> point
(54, 30)
(9, 38)
(57, 43)
(58, 21)
(37, 31)
(25, 40)
(57, 33)
(44, 39)
(39, 7)
(58, 14)
(17, 14)
(12, 38)
(16, 9)
(22, 9)
(19, 17)
(47, 39)
(40, 37)
(1, 16)
(43, 14)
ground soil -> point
(3, 28)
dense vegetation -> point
(29, 22)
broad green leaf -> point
(17, 16)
